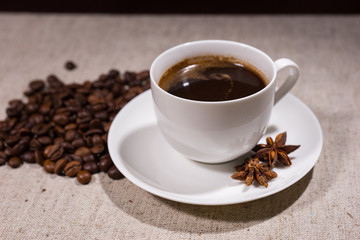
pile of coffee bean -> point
(64, 127)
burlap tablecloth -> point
(322, 205)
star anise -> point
(273, 151)
(252, 168)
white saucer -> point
(141, 153)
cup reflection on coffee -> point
(213, 98)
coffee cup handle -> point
(293, 69)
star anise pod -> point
(275, 150)
(252, 169)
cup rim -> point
(215, 41)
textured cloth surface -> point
(322, 205)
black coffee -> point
(212, 78)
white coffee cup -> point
(215, 132)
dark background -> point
(185, 6)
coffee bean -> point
(40, 129)
(105, 163)
(93, 131)
(96, 123)
(114, 173)
(70, 135)
(39, 159)
(24, 131)
(28, 157)
(97, 140)
(49, 166)
(69, 65)
(3, 158)
(54, 152)
(12, 140)
(83, 177)
(59, 166)
(88, 158)
(91, 167)
(54, 82)
(36, 85)
(45, 108)
(60, 119)
(97, 149)
(78, 142)
(70, 126)
(45, 140)
(82, 151)
(2, 161)
(31, 108)
(18, 149)
(36, 118)
(14, 162)
(72, 168)
(15, 108)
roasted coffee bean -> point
(3, 158)
(105, 163)
(7, 151)
(40, 129)
(70, 135)
(91, 167)
(83, 177)
(73, 157)
(97, 149)
(24, 132)
(54, 152)
(35, 144)
(78, 142)
(45, 140)
(36, 118)
(28, 157)
(93, 131)
(114, 173)
(39, 159)
(68, 148)
(59, 140)
(72, 168)
(36, 85)
(70, 126)
(96, 123)
(49, 166)
(88, 158)
(82, 151)
(45, 108)
(54, 82)
(15, 108)
(31, 108)
(14, 162)
(70, 65)
(84, 116)
(59, 130)
(97, 140)
(60, 119)
(2, 161)
(102, 115)
(12, 140)
(18, 149)
(59, 166)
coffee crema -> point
(212, 78)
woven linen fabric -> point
(321, 205)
